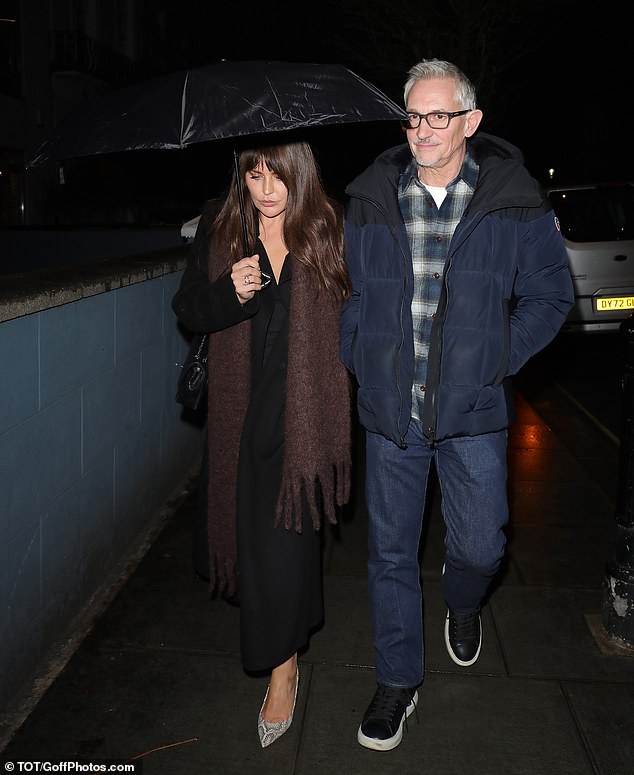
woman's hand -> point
(246, 278)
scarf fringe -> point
(222, 575)
(319, 495)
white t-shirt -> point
(438, 192)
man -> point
(459, 276)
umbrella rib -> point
(183, 102)
(279, 107)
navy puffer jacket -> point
(506, 292)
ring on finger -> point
(247, 280)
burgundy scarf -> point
(317, 431)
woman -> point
(279, 403)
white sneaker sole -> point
(391, 742)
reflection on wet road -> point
(589, 369)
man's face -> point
(440, 150)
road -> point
(589, 369)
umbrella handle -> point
(236, 168)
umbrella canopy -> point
(223, 100)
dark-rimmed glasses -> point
(437, 120)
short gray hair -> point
(437, 68)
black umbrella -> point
(223, 100)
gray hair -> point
(437, 68)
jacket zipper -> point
(434, 395)
(433, 421)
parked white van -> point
(597, 222)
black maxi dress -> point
(280, 570)
(280, 586)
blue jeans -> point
(472, 472)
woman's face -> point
(268, 193)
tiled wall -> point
(92, 444)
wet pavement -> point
(158, 680)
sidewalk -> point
(161, 668)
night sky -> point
(552, 78)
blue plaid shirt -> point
(429, 230)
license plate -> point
(614, 303)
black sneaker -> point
(463, 636)
(382, 725)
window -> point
(598, 214)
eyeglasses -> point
(436, 120)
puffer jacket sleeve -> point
(543, 291)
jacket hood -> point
(503, 181)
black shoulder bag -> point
(191, 388)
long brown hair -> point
(313, 222)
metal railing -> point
(618, 593)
